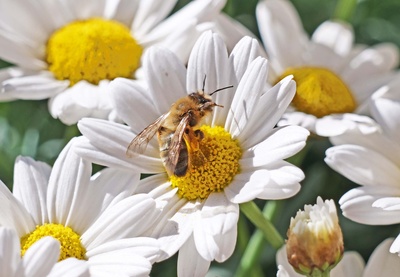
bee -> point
(178, 136)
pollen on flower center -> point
(212, 168)
(70, 241)
(92, 50)
(320, 92)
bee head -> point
(203, 101)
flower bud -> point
(315, 242)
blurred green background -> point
(26, 128)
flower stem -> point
(253, 213)
(248, 264)
(344, 9)
(243, 235)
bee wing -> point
(176, 144)
(139, 144)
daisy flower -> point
(333, 75)
(380, 263)
(69, 50)
(372, 161)
(93, 218)
(39, 260)
(244, 152)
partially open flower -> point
(315, 241)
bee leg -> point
(192, 138)
(199, 134)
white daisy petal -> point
(371, 61)
(40, 258)
(282, 272)
(123, 11)
(319, 55)
(386, 106)
(150, 13)
(35, 87)
(395, 247)
(232, 31)
(24, 55)
(201, 11)
(245, 51)
(226, 243)
(218, 206)
(70, 175)
(209, 60)
(81, 100)
(269, 109)
(13, 214)
(178, 41)
(284, 181)
(281, 31)
(388, 203)
(5, 73)
(345, 124)
(128, 218)
(31, 16)
(248, 94)
(151, 183)
(205, 244)
(175, 225)
(142, 246)
(307, 121)
(119, 263)
(106, 188)
(340, 38)
(352, 264)
(365, 132)
(282, 143)
(367, 167)
(165, 73)
(30, 179)
(88, 151)
(10, 251)
(357, 204)
(247, 185)
(113, 139)
(366, 87)
(190, 263)
(130, 100)
(117, 184)
(70, 267)
(217, 217)
(382, 262)
(242, 55)
(87, 9)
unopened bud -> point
(315, 241)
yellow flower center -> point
(93, 50)
(320, 92)
(70, 241)
(212, 168)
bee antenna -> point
(204, 82)
(220, 89)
